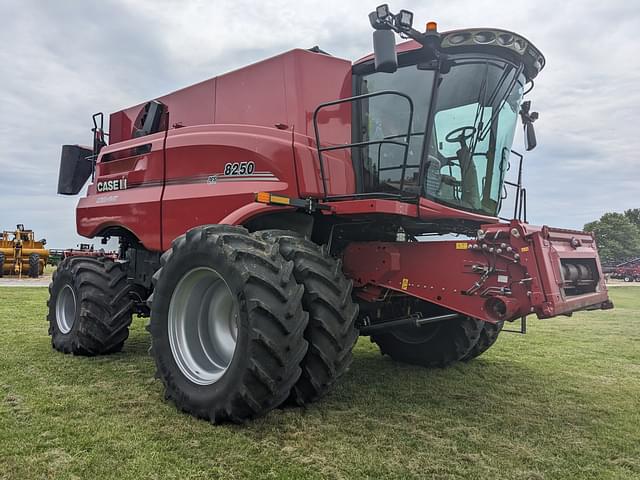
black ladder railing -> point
(520, 200)
(404, 144)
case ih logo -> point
(112, 185)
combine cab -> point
(21, 254)
(268, 216)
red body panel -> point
(284, 90)
(550, 246)
(197, 192)
(525, 272)
(136, 208)
(261, 113)
(425, 210)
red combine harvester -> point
(628, 271)
(268, 216)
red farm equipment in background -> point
(268, 216)
(628, 271)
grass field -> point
(562, 402)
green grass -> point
(562, 402)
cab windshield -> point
(471, 123)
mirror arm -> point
(425, 39)
(528, 118)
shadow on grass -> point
(378, 388)
(473, 392)
(137, 345)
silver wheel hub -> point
(66, 309)
(203, 325)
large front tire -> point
(433, 345)
(331, 331)
(89, 306)
(226, 324)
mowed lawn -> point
(562, 402)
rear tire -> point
(34, 265)
(89, 306)
(488, 337)
(207, 371)
(435, 345)
(331, 331)
(1, 265)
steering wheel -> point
(464, 133)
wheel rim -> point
(203, 325)
(66, 309)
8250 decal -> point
(239, 168)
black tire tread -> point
(102, 291)
(34, 265)
(488, 336)
(455, 339)
(331, 331)
(274, 311)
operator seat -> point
(470, 193)
(434, 177)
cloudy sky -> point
(61, 61)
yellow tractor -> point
(21, 254)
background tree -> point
(617, 236)
(633, 214)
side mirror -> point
(384, 51)
(528, 117)
(530, 141)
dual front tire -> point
(243, 323)
(241, 355)
(331, 332)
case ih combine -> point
(268, 216)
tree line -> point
(617, 235)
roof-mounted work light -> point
(382, 12)
(404, 20)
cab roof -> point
(492, 41)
